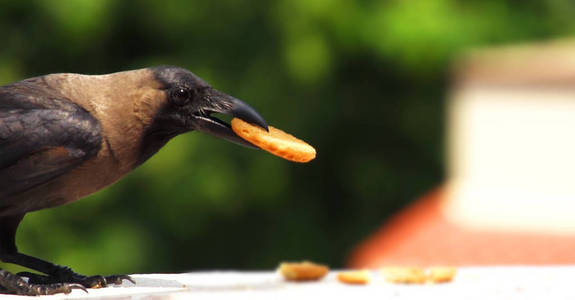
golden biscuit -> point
(354, 277)
(303, 271)
(404, 275)
(441, 274)
(275, 141)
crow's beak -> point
(217, 102)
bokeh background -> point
(363, 81)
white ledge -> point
(525, 282)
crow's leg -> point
(58, 274)
(14, 284)
(57, 279)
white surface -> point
(469, 283)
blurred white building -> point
(510, 192)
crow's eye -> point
(180, 96)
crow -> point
(65, 136)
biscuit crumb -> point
(354, 277)
(441, 274)
(404, 275)
(303, 271)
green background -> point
(365, 82)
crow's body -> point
(65, 136)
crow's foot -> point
(15, 284)
(66, 275)
(56, 276)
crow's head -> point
(191, 103)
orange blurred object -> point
(422, 235)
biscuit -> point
(275, 141)
(354, 277)
(303, 271)
(404, 275)
(441, 274)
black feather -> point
(42, 135)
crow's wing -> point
(41, 139)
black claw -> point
(118, 279)
(78, 286)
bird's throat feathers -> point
(125, 103)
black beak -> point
(217, 102)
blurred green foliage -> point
(363, 81)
